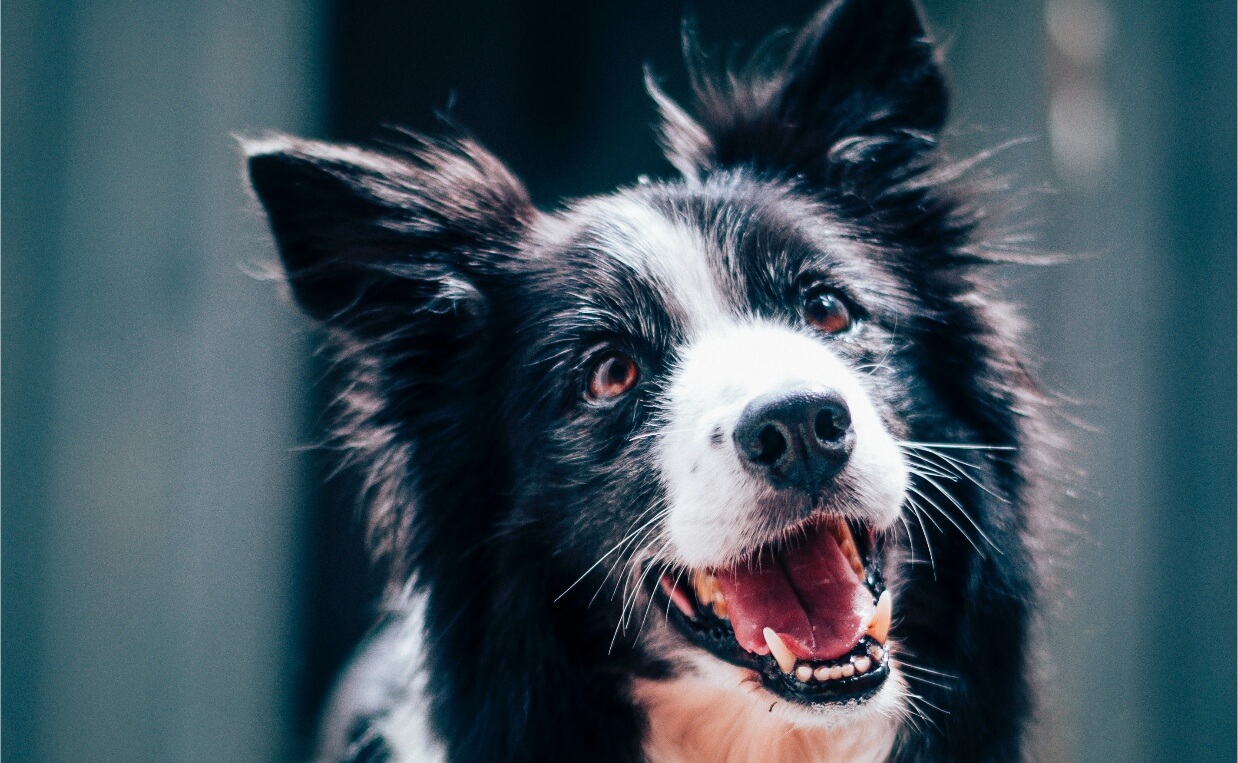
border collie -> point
(738, 465)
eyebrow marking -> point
(671, 253)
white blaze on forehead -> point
(712, 497)
(670, 252)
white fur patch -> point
(669, 252)
(387, 684)
(713, 499)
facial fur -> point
(606, 445)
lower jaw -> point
(832, 682)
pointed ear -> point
(860, 77)
(368, 238)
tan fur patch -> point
(693, 720)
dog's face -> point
(707, 401)
(683, 414)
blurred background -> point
(180, 581)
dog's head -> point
(690, 415)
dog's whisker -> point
(963, 512)
(913, 704)
(633, 544)
(952, 445)
(632, 561)
(928, 545)
(921, 698)
(931, 472)
(674, 585)
(635, 581)
(964, 469)
(948, 517)
(916, 506)
(911, 548)
(665, 567)
(906, 663)
(603, 558)
(928, 681)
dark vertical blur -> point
(164, 596)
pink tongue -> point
(809, 595)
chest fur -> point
(692, 720)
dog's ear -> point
(859, 84)
(368, 239)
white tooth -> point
(877, 653)
(846, 541)
(822, 673)
(803, 673)
(782, 655)
(879, 628)
(848, 670)
(862, 664)
(836, 673)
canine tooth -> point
(719, 607)
(848, 670)
(846, 541)
(879, 628)
(782, 655)
(862, 664)
(877, 653)
(803, 673)
(822, 673)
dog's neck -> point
(692, 721)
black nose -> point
(796, 440)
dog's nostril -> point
(773, 445)
(831, 423)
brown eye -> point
(827, 313)
(612, 375)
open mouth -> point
(810, 614)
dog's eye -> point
(612, 375)
(827, 312)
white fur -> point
(669, 252)
(388, 682)
(712, 498)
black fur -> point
(465, 321)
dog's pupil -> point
(613, 376)
(827, 313)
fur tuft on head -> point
(858, 93)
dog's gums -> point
(777, 612)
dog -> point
(744, 464)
